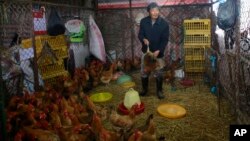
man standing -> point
(153, 33)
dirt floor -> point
(202, 122)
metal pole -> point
(131, 28)
(237, 74)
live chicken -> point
(101, 133)
(148, 135)
(107, 76)
(124, 121)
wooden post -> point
(2, 104)
(3, 133)
(35, 67)
(131, 28)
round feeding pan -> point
(101, 97)
(172, 111)
(124, 78)
(128, 84)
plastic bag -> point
(227, 14)
(96, 43)
(77, 30)
(55, 25)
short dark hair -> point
(152, 5)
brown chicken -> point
(65, 118)
(124, 121)
(95, 69)
(128, 65)
(85, 117)
(147, 135)
(55, 120)
(170, 72)
(12, 105)
(102, 111)
(40, 135)
(92, 108)
(107, 76)
(101, 133)
(82, 76)
(136, 62)
(29, 113)
(70, 86)
(150, 63)
(80, 132)
(64, 105)
(65, 112)
(90, 105)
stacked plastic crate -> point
(197, 40)
(51, 64)
(52, 70)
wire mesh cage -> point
(233, 61)
(19, 16)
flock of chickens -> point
(63, 112)
(96, 73)
(49, 116)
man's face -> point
(154, 13)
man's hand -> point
(156, 53)
(146, 42)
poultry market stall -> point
(72, 71)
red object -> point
(38, 14)
(125, 111)
(39, 22)
(112, 4)
(187, 83)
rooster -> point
(123, 121)
(147, 135)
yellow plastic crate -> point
(195, 65)
(197, 39)
(194, 53)
(62, 53)
(39, 40)
(197, 76)
(197, 25)
(52, 70)
(48, 60)
(57, 42)
(54, 80)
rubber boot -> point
(159, 82)
(144, 82)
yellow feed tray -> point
(101, 97)
(172, 111)
(128, 84)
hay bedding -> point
(202, 122)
